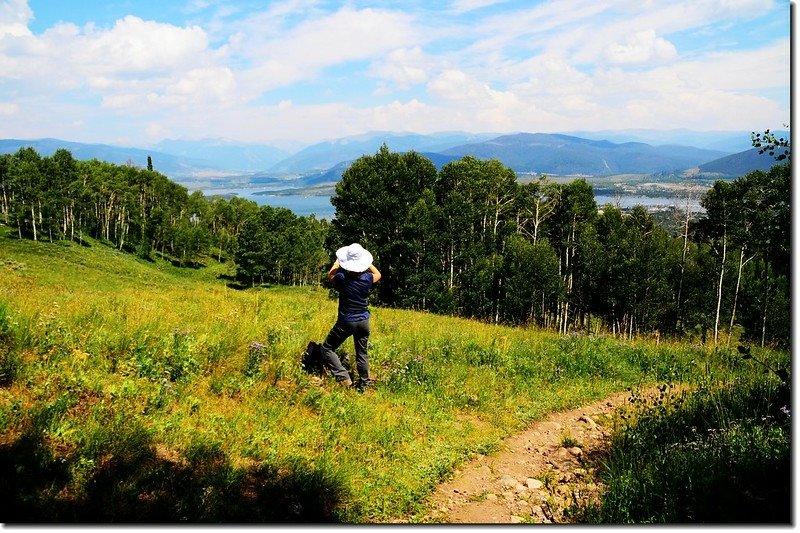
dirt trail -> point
(533, 478)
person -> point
(352, 275)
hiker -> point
(352, 275)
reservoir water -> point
(301, 205)
(320, 206)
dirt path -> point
(536, 474)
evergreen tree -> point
(374, 202)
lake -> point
(301, 205)
(647, 202)
(321, 207)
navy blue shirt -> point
(353, 295)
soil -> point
(536, 476)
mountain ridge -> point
(545, 153)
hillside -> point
(176, 167)
(738, 164)
(567, 155)
(189, 390)
(325, 155)
(220, 163)
(225, 154)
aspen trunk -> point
(719, 288)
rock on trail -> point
(532, 478)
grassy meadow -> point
(137, 391)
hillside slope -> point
(567, 155)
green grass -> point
(716, 453)
(137, 391)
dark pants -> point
(338, 334)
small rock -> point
(564, 454)
(485, 470)
(516, 519)
(508, 495)
(577, 452)
(588, 420)
(534, 484)
(491, 497)
(508, 481)
(521, 488)
(537, 511)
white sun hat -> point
(354, 258)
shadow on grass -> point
(233, 283)
(129, 483)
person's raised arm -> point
(332, 272)
(376, 274)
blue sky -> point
(301, 71)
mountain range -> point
(216, 161)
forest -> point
(468, 240)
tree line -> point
(467, 240)
(473, 241)
(144, 212)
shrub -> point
(720, 454)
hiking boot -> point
(364, 384)
(347, 382)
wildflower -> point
(785, 410)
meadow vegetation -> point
(717, 453)
(132, 390)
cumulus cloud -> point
(255, 74)
(14, 18)
(403, 67)
(641, 47)
(134, 45)
(303, 51)
(128, 65)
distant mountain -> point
(227, 163)
(334, 174)
(323, 156)
(176, 167)
(736, 165)
(226, 154)
(567, 155)
(724, 141)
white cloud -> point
(641, 47)
(549, 74)
(157, 131)
(547, 66)
(134, 45)
(8, 109)
(464, 6)
(304, 51)
(14, 18)
(403, 67)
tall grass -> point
(718, 452)
(136, 391)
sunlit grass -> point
(715, 453)
(207, 377)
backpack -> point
(312, 359)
